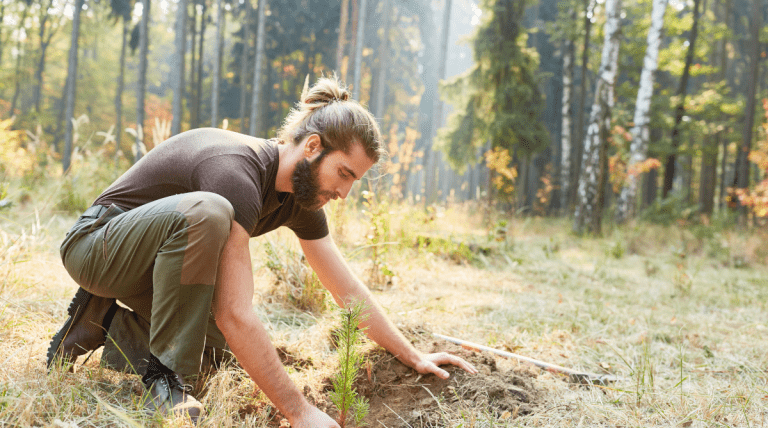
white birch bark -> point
(587, 212)
(565, 143)
(640, 132)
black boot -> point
(167, 393)
(85, 330)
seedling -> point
(348, 339)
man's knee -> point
(208, 214)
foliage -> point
(498, 99)
(299, 284)
(348, 338)
(499, 161)
(376, 210)
(757, 198)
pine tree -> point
(498, 99)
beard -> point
(306, 184)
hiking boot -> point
(168, 395)
(85, 330)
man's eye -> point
(342, 174)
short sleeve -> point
(308, 225)
(225, 175)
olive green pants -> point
(161, 261)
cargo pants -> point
(160, 260)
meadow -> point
(677, 312)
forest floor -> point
(678, 313)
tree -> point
(121, 10)
(71, 83)
(340, 67)
(640, 131)
(381, 82)
(430, 179)
(141, 86)
(217, 65)
(25, 7)
(589, 8)
(591, 191)
(46, 32)
(257, 69)
(682, 91)
(742, 163)
(180, 43)
(497, 101)
(244, 64)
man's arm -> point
(248, 338)
(326, 260)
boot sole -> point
(75, 311)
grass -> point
(677, 312)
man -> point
(169, 239)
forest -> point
(593, 174)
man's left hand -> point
(429, 364)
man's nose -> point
(344, 189)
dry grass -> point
(679, 314)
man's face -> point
(328, 175)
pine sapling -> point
(348, 341)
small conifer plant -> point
(348, 341)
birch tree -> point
(640, 131)
(569, 49)
(589, 206)
(180, 43)
(255, 101)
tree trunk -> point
(359, 49)
(119, 93)
(192, 96)
(17, 84)
(255, 99)
(579, 152)
(71, 83)
(565, 133)
(639, 147)
(588, 211)
(177, 66)
(45, 41)
(742, 173)
(141, 86)
(343, 22)
(430, 173)
(669, 166)
(381, 82)
(2, 40)
(708, 175)
(352, 38)
(199, 74)
(244, 65)
(217, 65)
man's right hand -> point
(313, 418)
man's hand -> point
(313, 418)
(429, 364)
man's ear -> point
(313, 146)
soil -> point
(399, 396)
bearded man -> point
(169, 240)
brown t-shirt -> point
(238, 167)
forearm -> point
(250, 343)
(379, 327)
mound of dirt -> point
(399, 396)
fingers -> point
(445, 358)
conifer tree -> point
(498, 99)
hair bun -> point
(324, 92)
